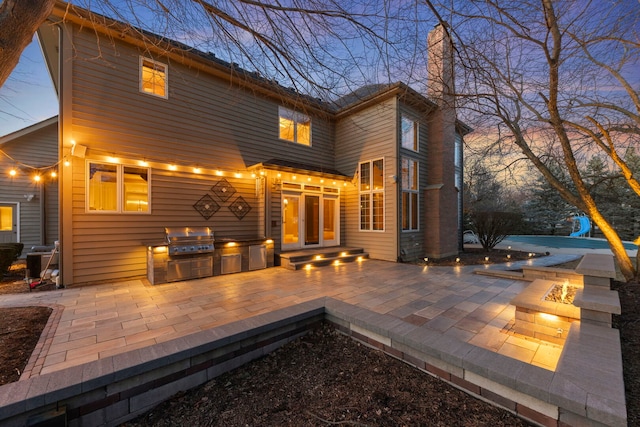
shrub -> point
(492, 227)
(9, 253)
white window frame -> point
(120, 193)
(369, 193)
(296, 118)
(412, 189)
(413, 125)
(165, 68)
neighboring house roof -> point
(29, 129)
(356, 100)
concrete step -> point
(320, 257)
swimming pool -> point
(567, 242)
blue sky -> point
(28, 96)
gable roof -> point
(27, 130)
(232, 72)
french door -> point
(310, 220)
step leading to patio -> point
(319, 257)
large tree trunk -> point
(557, 123)
(19, 20)
(617, 247)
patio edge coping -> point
(586, 388)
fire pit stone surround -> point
(545, 320)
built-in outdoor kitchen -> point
(193, 252)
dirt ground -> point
(321, 379)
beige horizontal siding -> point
(368, 135)
(205, 122)
(412, 242)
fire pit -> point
(564, 293)
(540, 315)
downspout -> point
(43, 218)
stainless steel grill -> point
(190, 251)
(189, 240)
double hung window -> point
(294, 126)
(371, 189)
(410, 194)
(153, 78)
(409, 133)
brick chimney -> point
(441, 194)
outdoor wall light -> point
(509, 256)
(426, 259)
(457, 259)
(486, 258)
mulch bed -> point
(326, 378)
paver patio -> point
(97, 321)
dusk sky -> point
(28, 96)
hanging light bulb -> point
(13, 172)
(37, 178)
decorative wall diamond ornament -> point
(223, 190)
(206, 206)
(239, 207)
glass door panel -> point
(312, 219)
(290, 221)
(8, 224)
(330, 225)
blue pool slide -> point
(585, 226)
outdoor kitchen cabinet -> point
(238, 255)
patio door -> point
(309, 220)
(8, 223)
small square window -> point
(294, 127)
(153, 78)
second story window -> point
(410, 194)
(153, 77)
(294, 126)
(409, 136)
